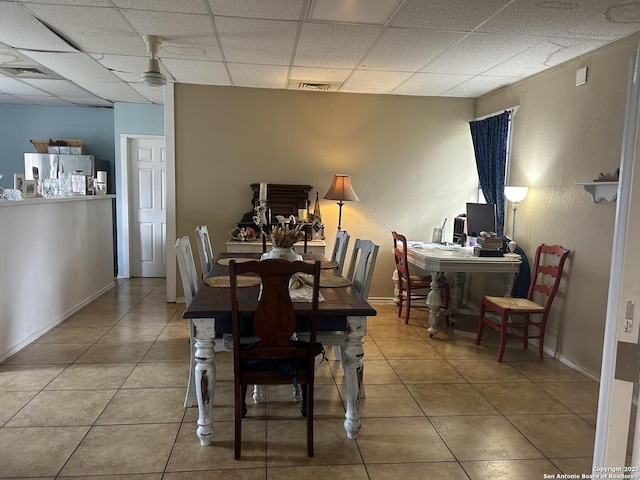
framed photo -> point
(29, 188)
(18, 181)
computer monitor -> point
(481, 217)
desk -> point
(236, 246)
(343, 310)
(437, 259)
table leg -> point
(205, 375)
(352, 354)
(434, 302)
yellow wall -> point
(410, 158)
(565, 134)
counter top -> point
(36, 200)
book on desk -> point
(489, 246)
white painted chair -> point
(360, 272)
(205, 252)
(340, 249)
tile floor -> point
(101, 397)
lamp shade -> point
(515, 194)
(341, 189)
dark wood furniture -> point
(274, 359)
(517, 313)
(282, 199)
(341, 319)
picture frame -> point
(18, 181)
(29, 188)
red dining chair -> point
(412, 287)
(517, 313)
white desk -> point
(255, 246)
(437, 259)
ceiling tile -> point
(11, 58)
(353, 11)
(20, 29)
(151, 94)
(183, 6)
(127, 68)
(47, 100)
(478, 86)
(18, 87)
(116, 92)
(430, 84)
(77, 67)
(320, 75)
(258, 76)
(372, 81)
(452, 15)
(203, 73)
(10, 99)
(93, 30)
(408, 49)
(257, 41)
(274, 9)
(59, 88)
(478, 52)
(183, 35)
(324, 44)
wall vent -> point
(26, 72)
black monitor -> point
(481, 217)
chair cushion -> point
(515, 304)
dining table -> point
(342, 321)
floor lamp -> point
(515, 195)
(342, 191)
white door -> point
(147, 163)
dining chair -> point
(517, 313)
(205, 252)
(273, 359)
(339, 254)
(412, 287)
(190, 286)
(360, 272)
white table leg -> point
(258, 394)
(434, 302)
(205, 375)
(352, 354)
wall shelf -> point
(602, 190)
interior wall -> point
(410, 158)
(565, 134)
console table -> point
(436, 259)
(237, 246)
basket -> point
(42, 146)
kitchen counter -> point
(56, 257)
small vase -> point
(282, 253)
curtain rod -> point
(511, 110)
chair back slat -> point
(205, 252)
(401, 259)
(187, 268)
(362, 264)
(549, 263)
(339, 254)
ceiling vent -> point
(313, 86)
(29, 72)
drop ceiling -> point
(91, 52)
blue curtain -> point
(490, 138)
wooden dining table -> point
(342, 321)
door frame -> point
(125, 220)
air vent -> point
(26, 72)
(313, 86)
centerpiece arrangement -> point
(283, 238)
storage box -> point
(42, 146)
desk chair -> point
(274, 359)
(340, 249)
(203, 242)
(409, 284)
(545, 280)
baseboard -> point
(52, 324)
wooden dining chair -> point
(205, 252)
(274, 359)
(533, 311)
(412, 287)
(339, 254)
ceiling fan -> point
(152, 76)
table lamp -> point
(342, 191)
(515, 195)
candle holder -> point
(260, 216)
